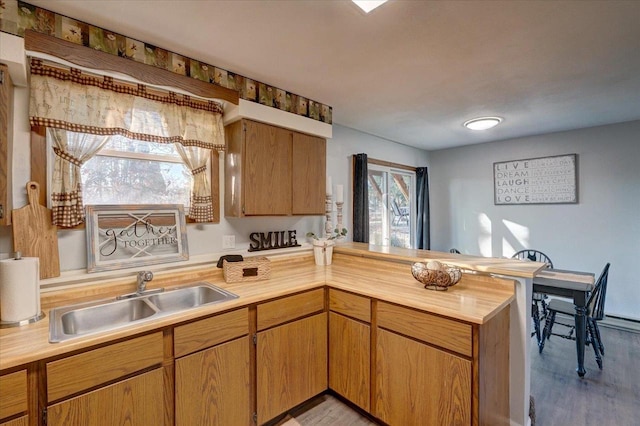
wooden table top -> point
(572, 280)
(475, 299)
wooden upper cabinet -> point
(271, 171)
(6, 105)
(309, 166)
(267, 175)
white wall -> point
(603, 227)
(345, 143)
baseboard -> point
(620, 324)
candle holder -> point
(328, 226)
(339, 208)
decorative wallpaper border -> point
(17, 16)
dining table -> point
(572, 284)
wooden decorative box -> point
(250, 269)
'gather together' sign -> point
(135, 235)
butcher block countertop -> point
(356, 268)
(490, 265)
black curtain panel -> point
(360, 199)
(423, 229)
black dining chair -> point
(595, 313)
(538, 301)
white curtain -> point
(78, 103)
(196, 159)
(72, 151)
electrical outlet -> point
(229, 242)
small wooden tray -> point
(250, 269)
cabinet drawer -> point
(290, 308)
(13, 388)
(351, 305)
(448, 334)
(208, 332)
(86, 370)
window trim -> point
(388, 168)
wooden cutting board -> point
(34, 235)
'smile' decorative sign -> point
(135, 235)
(544, 180)
(272, 240)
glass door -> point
(392, 207)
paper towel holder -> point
(38, 317)
(7, 324)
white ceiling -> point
(411, 71)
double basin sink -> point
(84, 319)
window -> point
(127, 171)
(392, 206)
(84, 112)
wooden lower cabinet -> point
(14, 398)
(21, 421)
(212, 386)
(135, 401)
(291, 365)
(13, 394)
(350, 359)
(417, 384)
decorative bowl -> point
(435, 275)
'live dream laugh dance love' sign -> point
(544, 180)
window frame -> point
(40, 171)
(389, 167)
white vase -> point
(323, 251)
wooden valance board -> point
(542, 180)
(97, 60)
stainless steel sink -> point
(84, 319)
(107, 316)
(190, 297)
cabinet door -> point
(13, 389)
(417, 384)
(309, 174)
(267, 171)
(20, 421)
(349, 359)
(291, 365)
(212, 386)
(135, 401)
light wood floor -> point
(607, 397)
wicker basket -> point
(440, 279)
(250, 269)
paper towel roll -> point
(19, 289)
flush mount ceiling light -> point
(368, 5)
(482, 123)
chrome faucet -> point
(143, 278)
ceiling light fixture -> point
(482, 123)
(368, 5)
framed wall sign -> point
(543, 180)
(125, 236)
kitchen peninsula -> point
(383, 329)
